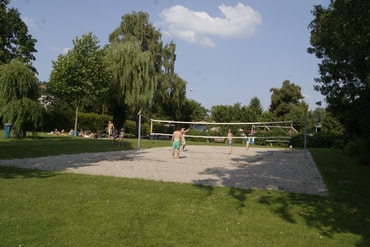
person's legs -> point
(230, 147)
(176, 149)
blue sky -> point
(227, 51)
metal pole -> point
(138, 131)
(305, 136)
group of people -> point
(179, 143)
(57, 132)
(229, 140)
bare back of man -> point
(176, 143)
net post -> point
(139, 131)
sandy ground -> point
(256, 168)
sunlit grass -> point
(41, 208)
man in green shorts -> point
(176, 143)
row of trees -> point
(136, 72)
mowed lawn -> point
(42, 208)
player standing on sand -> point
(183, 141)
(229, 140)
(176, 143)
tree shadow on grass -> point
(23, 173)
(338, 213)
(65, 162)
(267, 170)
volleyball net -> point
(217, 132)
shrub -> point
(57, 119)
(92, 121)
(359, 148)
(319, 140)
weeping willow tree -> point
(171, 89)
(133, 79)
(136, 28)
(19, 93)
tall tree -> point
(19, 93)
(170, 95)
(81, 74)
(255, 109)
(133, 79)
(170, 89)
(15, 41)
(193, 111)
(340, 38)
(136, 27)
(228, 113)
(285, 98)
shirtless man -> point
(230, 141)
(110, 129)
(176, 143)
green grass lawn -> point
(41, 208)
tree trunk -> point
(76, 120)
(119, 117)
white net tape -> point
(246, 128)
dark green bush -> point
(359, 148)
(130, 127)
(57, 119)
(319, 140)
(93, 122)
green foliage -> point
(19, 92)
(255, 110)
(193, 111)
(297, 114)
(317, 115)
(229, 114)
(15, 42)
(359, 148)
(130, 127)
(340, 39)
(135, 54)
(332, 125)
(319, 140)
(263, 136)
(137, 28)
(133, 75)
(285, 98)
(93, 122)
(80, 77)
(24, 114)
(342, 43)
(170, 98)
(57, 119)
(267, 116)
(64, 209)
(17, 81)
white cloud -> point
(198, 27)
(59, 50)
